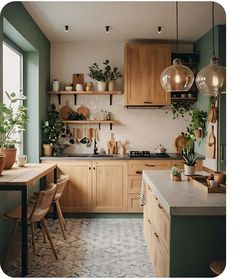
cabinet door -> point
(110, 186)
(77, 195)
(143, 67)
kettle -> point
(161, 149)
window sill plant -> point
(11, 122)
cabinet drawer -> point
(136, 166)
(133, 203)
(160, 220)
(134, 184)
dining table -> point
(21, 179)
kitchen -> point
(144, 129)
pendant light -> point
(211, 80)
(177, 77)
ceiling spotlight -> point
(159, 29)
(66, 28)
(107, 28)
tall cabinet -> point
(144, 64)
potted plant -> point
(112, 76)
(189, 160)
(51, 130)
(11, 122)
(198, 123)
(175, 174)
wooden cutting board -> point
(83, 110)
(65, 111)
(180, 143)
(210, 148)
(78, 79)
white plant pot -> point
(102, 86)
(189, 170)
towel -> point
(142, 194)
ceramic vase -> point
(102, 86)
(189, 170)
(47, 149)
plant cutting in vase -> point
(12, 121)
(51, 130)
(189, 160)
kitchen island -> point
(184, 226)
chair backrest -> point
(61, 183)
(43, 203)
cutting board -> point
(78, 79)
(180, 143)
(65, 111)
(210, 149)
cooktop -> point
(147, 154)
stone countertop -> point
(173, 156)
(184, 197)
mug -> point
(79, 87)
(21, 160)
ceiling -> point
(128, 20)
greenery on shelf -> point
(198, 121)
(180, 109)
(107, 73)
(11, 121)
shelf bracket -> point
(99, 126)
(110, 99)
(75, 99)
(59, 98)
(110, 126)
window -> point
(13, 79)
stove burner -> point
(146, 154)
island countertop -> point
(183, 197)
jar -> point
(89, 86)
(55, 85)
(108, 115)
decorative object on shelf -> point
(65, 111)
(84, 111)
(197, 126)
(78, 79)
(175, 174)
(210, 150)
(89, 86)
(189, 160)
(177, 77)
(51, 130)
(55, 85)
(68, 88)
(212, 113)
(180, 109)
(79, 87)
(211, 80)
(11, 122)
(113, 75)
(76, 116)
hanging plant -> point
(181, 109)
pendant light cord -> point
(213, 30)
(177, 28)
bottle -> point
(55, 85)
(108, 115)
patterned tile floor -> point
(96, 247)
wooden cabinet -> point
(144, 64)
(110, 186)
(135, 168)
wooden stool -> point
(217, 267)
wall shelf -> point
(91, 122)
(88, 93)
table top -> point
(184, 197)
(27, 175)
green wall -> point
(19, 27)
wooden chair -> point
(217, 267)
(36, 213)
(60, 186)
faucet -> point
(95, 149)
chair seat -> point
(15, 214)
(217, 266)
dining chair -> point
(36, 213)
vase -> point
(10, 159)
(111, 85)
(2, 162)
(189, 170)
(47, 149)
(102, 86)
(198, 133)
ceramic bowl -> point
(68, 88)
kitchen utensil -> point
(161, 149)
(84, 140)
(65, 111)
(79, 135)
(212, 115)
(210, 144)
(83, 110)
(78, 79)
(180, 143)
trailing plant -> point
(198, 121)
(189, 156)
(12, 121)
(180, 109)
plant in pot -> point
(12, 121)
(198, 123)
(189, 160)
(51, 130)
(96, 73)
(112, 76)
(175, 174)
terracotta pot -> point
(2, 163)
(10, 154)
(47, 149)
(219, 177)
(176, 178)
(198, 133)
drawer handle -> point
(160, 206)
(139, 172)
(147, 102)
(156, 235)
(148, 165)
(149, 221)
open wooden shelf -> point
(75, 93)
(90, 122)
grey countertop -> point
(173, 156)
(184, 197)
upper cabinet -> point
(144, 64)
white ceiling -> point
(128, 20)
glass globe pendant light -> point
(211, 80)
(177, 77)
